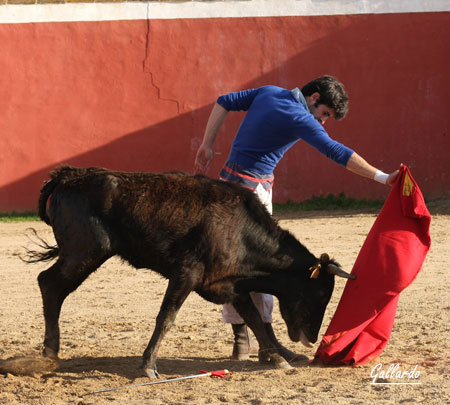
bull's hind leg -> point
(268, 352)
(176, 293)
(56, 284)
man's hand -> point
(392, 177)
(203, 159)
(204, 153)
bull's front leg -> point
(268, 353)
(164, 321)
(174, 297)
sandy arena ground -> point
(107, 322)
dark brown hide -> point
(203, 235)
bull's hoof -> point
(150, 373)
(50, 353)
(284, 365)
(274, 359)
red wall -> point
(135, 95)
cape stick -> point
(219, 373)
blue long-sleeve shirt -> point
(275, 120)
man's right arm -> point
(204, 153)
(358, 165)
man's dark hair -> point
(332, 94)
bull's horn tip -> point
(337, 271)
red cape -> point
(388, 262)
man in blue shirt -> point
(276, 119)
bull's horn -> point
(337, 271)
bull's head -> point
(303, 309)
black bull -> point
(203, 235)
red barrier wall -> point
(135, 95)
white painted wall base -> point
(36, 13)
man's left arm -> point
(358, 165)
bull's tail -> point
(46, 191)
(58, 176)
(47, 253)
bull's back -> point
(153, 220)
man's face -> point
(321, 112)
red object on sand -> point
(388, 262)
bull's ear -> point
(337, 271)
(324, 259)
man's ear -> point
(312, 100)
(314, 97)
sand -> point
(107, 322)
